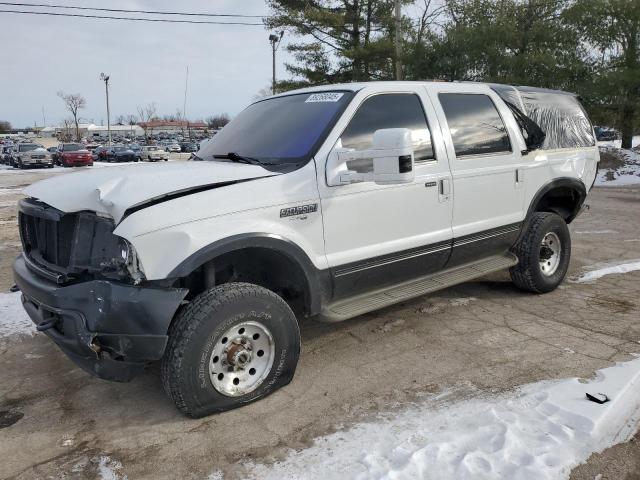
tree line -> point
(589, 47)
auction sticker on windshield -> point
(324, 97)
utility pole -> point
(397, 42)
(184, 105)
(44, 120)
(275, 43)
(105, 79)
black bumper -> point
(109, 329)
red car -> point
(73, 155)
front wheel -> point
(232, 345)
(543, 252)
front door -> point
(379, 235)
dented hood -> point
(114, 190)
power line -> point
(116, 10)
(104, 17)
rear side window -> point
(475, 124)
(393, 110)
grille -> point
(70, 244)
(48, 239)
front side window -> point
(474, 123)
(393, 110)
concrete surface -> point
(479, 337)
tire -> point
(193, 362)
(544, 234)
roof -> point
(172, 123)
(356, 86)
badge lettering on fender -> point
(299, 210)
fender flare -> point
(569, 182)
(318, 285)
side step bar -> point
(360, 304)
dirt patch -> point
(611, 159)
(613, 304)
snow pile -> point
(13, 319)
(109, 469)
(539, 432)
(626, 174)
(607, 269)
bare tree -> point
(73, 102)
(217, 121)
(262, 93)
(120, 120)
(4, 126)
(146, 114)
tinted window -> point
(72, 147)
(396, 110)
(279, 130)
(475, 124)
(27, 147)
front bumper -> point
(109, 329)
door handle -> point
(445, 186)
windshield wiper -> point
(234, 157)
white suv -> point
(327, 202)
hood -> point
(114, 190)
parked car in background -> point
(5, 154)
(73, 155)
(152, 153)
(188, 147)
(31, 155)
(120, 153)
(606, 134)
(99, 154)
(173, 148)
(136, 148)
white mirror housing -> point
(392, 155)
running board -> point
(358, 305)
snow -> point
(540, 431)
(108, 469)
(13, 319)
(601, 270)
(629, 174)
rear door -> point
(378, 235)
(484, 152)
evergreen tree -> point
(612, 29)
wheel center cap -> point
(546, 253)
(238, 355)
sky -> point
(147, 62)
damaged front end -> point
(82, 286)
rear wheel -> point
(543, 252)
(232, 345)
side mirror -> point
(393, 160)
(392, 155)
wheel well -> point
(562, 200)
(262, 266)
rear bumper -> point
(109, 329)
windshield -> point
(73, 147)
(279, 130)
(27, 147)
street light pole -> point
(275, 43)
(105, 79)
